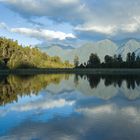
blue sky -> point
(69, 21)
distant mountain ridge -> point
(45, 46)
(130, 46)
(102, 48)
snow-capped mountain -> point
(102, 48)
(130, 46)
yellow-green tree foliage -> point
(13, 55)
(12, 87)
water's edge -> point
(71, 71)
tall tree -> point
(76, 61)
(128, 58)
(94, 60)
(120, 60)
(133, 57)
(138, 62)
(108, 61)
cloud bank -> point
(43, 34)
(40, 34)
(90, 19)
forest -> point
(132, 61)
(14, 56)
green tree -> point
(76, 61)
(128, 59)
(13, 55)
(120, 60)
(137, 62)
(133, 57)
(94, 61)
(108, 61)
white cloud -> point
(109, 108)
(43, 34)
(130, 111)
(43, 105)
(38, 105)
(60, 10)
(106, 18)
(94, 120)
(111, 19)
(108, 30)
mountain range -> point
(102, 48)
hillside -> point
(13, 55)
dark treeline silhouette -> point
(116, 80)
(132, 61)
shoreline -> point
(106, 71)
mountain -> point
(130, 46)
(44, 46)
(58, 51)
(102, 48)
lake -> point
(70, 107)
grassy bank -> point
(71, 71)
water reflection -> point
(13, 86)
(73, 107)
(116, 80)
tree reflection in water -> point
(12, 87)
(116, 80)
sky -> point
(69, 21)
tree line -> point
(13, 56)
(116, 61)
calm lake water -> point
(69, 107)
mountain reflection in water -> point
(13, 86)
(65, 106)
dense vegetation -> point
(13, 55)
(132, 61)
